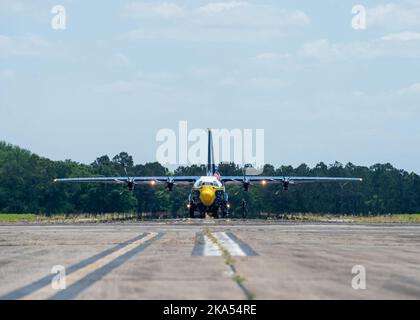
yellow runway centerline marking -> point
(74, 277)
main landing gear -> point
(225, 211)
(244, 209)
(216, 213)
(191, 210)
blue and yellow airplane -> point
(208, 194)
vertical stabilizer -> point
(211, 166)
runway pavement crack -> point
(230, 262)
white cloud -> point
(7, 74)
(218, 7)
(358, 93)
(204, 72)
(209, 34)
(395, 16)
(120, 60)
(413, 89)
(271, 63)
(326, 51)
(271, 56)
(139, 83)
(12, 6)
(321, 49)
(22, 45)
(232, 21)
(5, 43)
(402, 36)
(169, 10)
(157, 76)
(264, 83)
(154, 10)
(118, 86)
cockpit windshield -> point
(200, 184)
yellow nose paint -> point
(207, 195)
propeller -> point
(246, 183)
(130, 181)
(170, 184)
(286, 182)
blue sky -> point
(123, 70)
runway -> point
(209, 260)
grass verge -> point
(390, 218)
(12, 217)
(66, 219)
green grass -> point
(390, 218)
(62, 218)
(395, 218)
(110, 217)
(11, 217)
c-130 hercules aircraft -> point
(208, 194)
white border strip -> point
(210, 248)
(229, 244)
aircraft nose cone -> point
(207, 196)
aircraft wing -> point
(285, 179)
(135, 180)
(176, 180)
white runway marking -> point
(72, 278)
(229, 244)
(211, 249)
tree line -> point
(26, 186)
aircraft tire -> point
(191, 211)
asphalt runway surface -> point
(210, 260)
